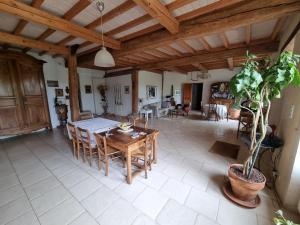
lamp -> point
(103, 58)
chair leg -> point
(90, 157)
(106, 166)
(84, 154)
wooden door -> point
(10, 107)
(33, 96)
(187, 93)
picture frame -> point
(59, 92)
(151, 91)
(88, 89)
(177, 92)
(126, 90)
(52, 83)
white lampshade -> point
(104, 59)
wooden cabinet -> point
(23, 100)
(187, 93)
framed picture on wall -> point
(126, 90)
(177, 92)
(59, 92)
(88, 89)
(52, 83)
(151, 91)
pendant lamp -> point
(103, 58)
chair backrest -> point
(101, 143)
(140, 122)
(86, 115)
(72, 131)
(110, 116)
(85, 138)
(212, 107)
(150, 143)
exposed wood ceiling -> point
(180, 35)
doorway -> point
(197, 96)
(192, 93)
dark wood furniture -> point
(23, 99)
(127, 144)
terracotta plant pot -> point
(234, 113)
(243, 189)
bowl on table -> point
(125, 126)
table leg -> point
(155, 150)
(129, 175)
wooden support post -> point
(73, 83)
(135, 91)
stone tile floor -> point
(41, 182)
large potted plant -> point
(259, 82)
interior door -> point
(10, 117)
(187, 93)
(32, 88)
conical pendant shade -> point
(104, 59)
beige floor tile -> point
(176, 190)
(150, 202)
(84, 188)
(63, 214)
(121, 212)
(11, 194)
(204, 203)
(84, 219)
(174, 213)
(130, 192)
(29, 218)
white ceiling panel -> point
(178, 47)
(195, 44)
(214, 40)
(91, 13)
(192, 6)
(87, 48)
(33, 30)
(137, 28)
(58, 7)
(236, 36)
(76, 41)
(124, 18)
(262, 30)
(57, 36)
(8, 22)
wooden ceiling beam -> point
(238, 17)
(230, 63)
(187, 16)
(22, 23)
(32, 14)
(158, 53)
(224, 39)
(185, 46)
(26, 42)
(199, 66)
(262, 48)
(248, 34)
(178, 4)
(76, 9)
(160, 12)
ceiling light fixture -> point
(103, 58)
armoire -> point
(23, 98)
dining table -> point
(127, 144)
(220, 109)
(95, 125)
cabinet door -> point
(10, 117)
(31, 82)
(187, 93)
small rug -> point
(225, 149)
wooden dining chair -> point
(144, 154)
(106, 152)
(75, 140)
(89, 146)
(140, 122)
(86, 116)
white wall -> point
(153, 79)
(175, 79)
(86, 77)
(126, 107)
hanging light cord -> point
(100, 7)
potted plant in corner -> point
(259, 82)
